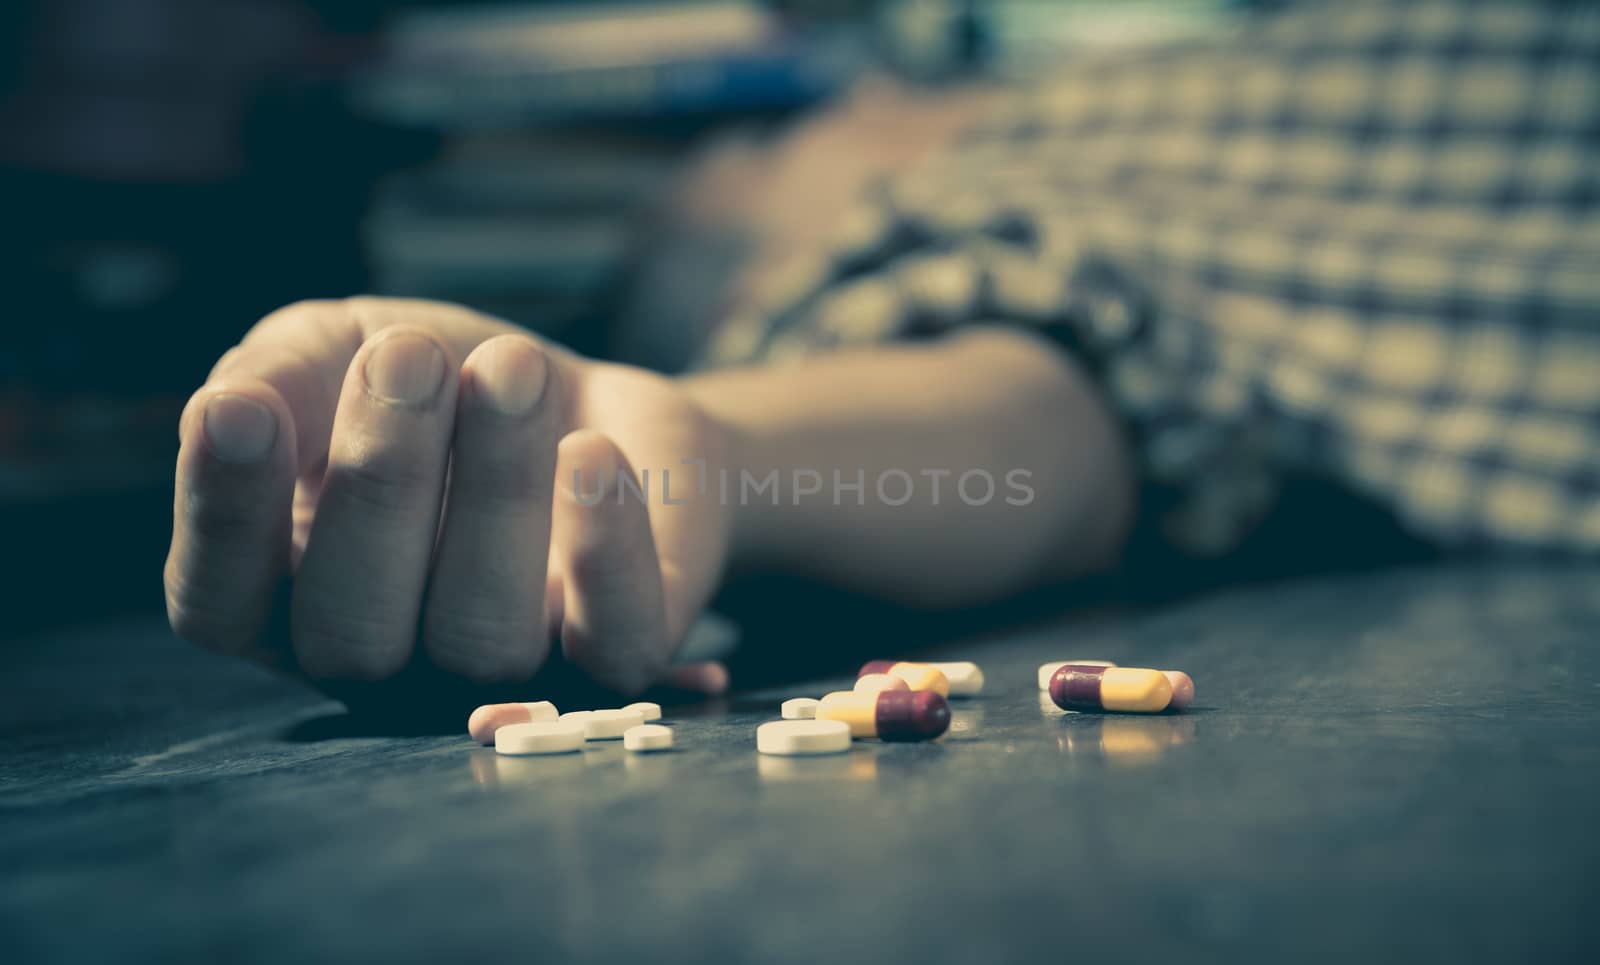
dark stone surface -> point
(1402, 765)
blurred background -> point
(171, 170)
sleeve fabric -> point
(1360, 241)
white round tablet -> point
(647, 737)
(1048, 670)
(800, 708)
(798, 738)
(539, 737)
(610, 725)
(966, 677)
(650, 711)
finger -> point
(359, 588)
(614, 626)
(680, 533)
(709, 678)
(299, 355)
(484, 617)
(230, 516)
(304, 351)
(686, 522)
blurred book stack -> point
(560, 124)
(1024, 37)
(531, 228)
(1018, 39)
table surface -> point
(1395, 764)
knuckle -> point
(219, 517)
(306, 311)
(370, 316)
(519, 341)
(335, 637)
(387, 482)
(505, 484)
(481, 646)
(340, 649)
(365, 308)
(203, 619)
(616, 557)
(328, 317)
(594, 566)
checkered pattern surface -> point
(1358, 240)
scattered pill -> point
(1127, 689)
(798, 738)
(577, 715)
(1048, 670)
(539, 737)
(491, 717)
(800, 708)
(891, 715)
(966, 677)
(610, 725)
(650, 711)
(918, 676)
(873, 683)
(1182, 689)
(647, 737)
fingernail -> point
(239, 429)
(404, 368)
(509, 376)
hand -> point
(411, 466)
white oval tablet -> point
(797, 738)
(649, 711)
(539, 737)
(1048, 670)
(647, 737)
(578, 716)
(542, 710)
(610, 725)
(800, 708)
(966, 677)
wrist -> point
(733, 450)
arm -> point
(443, 489)
(997, 403)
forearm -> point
(1048, 490)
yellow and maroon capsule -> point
(1182, 689)
(890, 715)
(918, 676)
(1127, 689)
